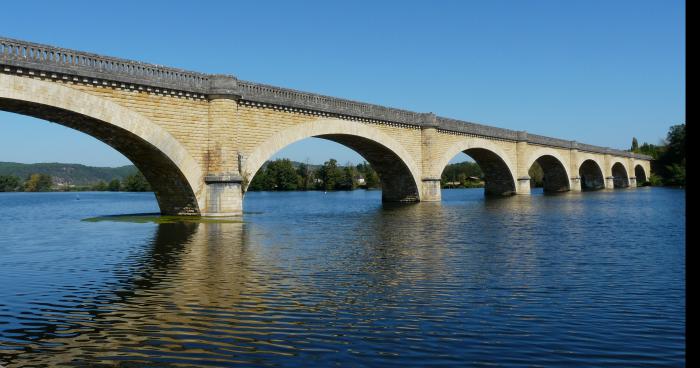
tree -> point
(114, 186)
(536, 175)
(260, 181)
(330, 174)
(370, 176)
(305, 177)
(9, 183)
(100, 186)
(372, 179)
(675, 147)
(38, 183)
(347, 178)
(136, 183)
(276, 175)
(676, 175)
(635, 145)
(282, 172)
(668, 157)
(650, 149)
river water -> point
(319, 279)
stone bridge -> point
(200, 138)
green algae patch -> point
(160, 219)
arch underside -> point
(640, 174)
(591, 176)
(498, 180)
(619, 173)
(172, 191)
(398, 184)
(555, 177)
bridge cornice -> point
(22, 55)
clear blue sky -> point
(598, 72)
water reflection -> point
(310, 279)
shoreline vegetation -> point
(668, 169)
(668, 158)
(41, 182)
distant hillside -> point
(68, 174)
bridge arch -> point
(591, 174)
(640, 174)
(555, 168)
(396, 167)
(173, 174)
(499, 172)
(619, 174)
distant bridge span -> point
(199, 138)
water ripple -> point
(594, 279)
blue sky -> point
(598, 72)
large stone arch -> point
(619, 171)
(640, 174)
(397, 169)
(557, 177)
(591, 173)
(499, 171)
(174, 175)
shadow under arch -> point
(173, 174)
(396, 168)
(620, 178)
(640, 174)
(591, 176)
(556, 177)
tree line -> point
(285, 175)
(668, 158)
(44, 183)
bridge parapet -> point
(305, 100)
(460, 126)
(83, 64)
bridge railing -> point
(556, 142)
(65, 61)
(50, 59)
(289, 97)
(549, 141)
(470, 128)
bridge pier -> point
(633, 182)
(224, 196)
(523, 185)
(609, 182)
(575, 184)
(523, 181)
(431, 190)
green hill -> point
(68, 174)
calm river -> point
(314, 279)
